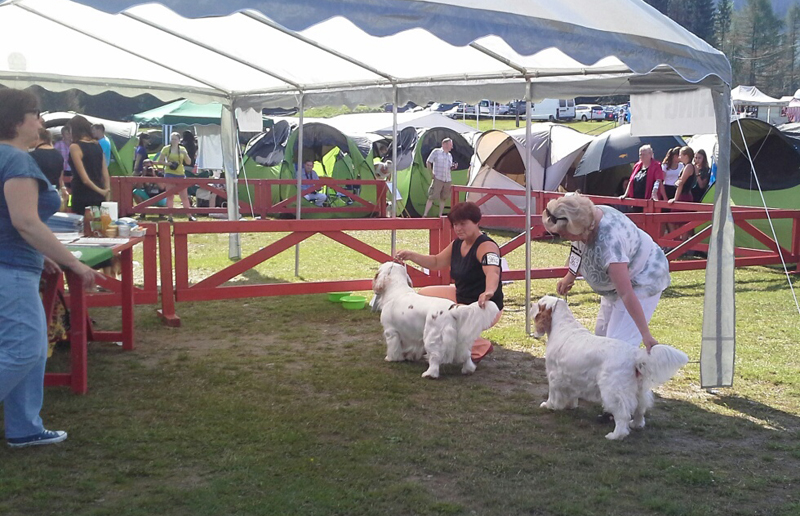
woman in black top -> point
(90, 180)
(50, 161)
(474, 262)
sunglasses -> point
(552, 218)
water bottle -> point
(655, 189)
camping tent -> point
(413, 176)
(335, 53)
(272, 155)
(776, 160)
(500, 161)
(122, 136)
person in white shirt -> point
(440, 163)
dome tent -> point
(500, 161)
(776, 160)
(263, 158)
(414, 178)
(273, 155)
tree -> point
(661, 5)
(792, 40)
(723, 18)
(757, 38)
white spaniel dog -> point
(414, 324)
(581, 365)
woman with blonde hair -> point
(174, 156)
(618, 260)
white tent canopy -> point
(328, 52)
(752, 96)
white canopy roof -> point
(752, 96)
(345, 52)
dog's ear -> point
(379, 283)
(542, 320)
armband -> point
(491, 259)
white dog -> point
(581, 365)
(414, 324)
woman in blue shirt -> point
(27, 199)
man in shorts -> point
(440, 163)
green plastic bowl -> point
(336, 297)
(354, 302)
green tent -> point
(272, 155)
(413, 176)
(776, 159)
(181, 112)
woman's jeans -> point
(23, 351)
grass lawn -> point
(506, 125)
(285, 406)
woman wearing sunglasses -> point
(619, 261)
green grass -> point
(506, 125)
(278, 406)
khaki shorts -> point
(439, 190)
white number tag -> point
(574, 260)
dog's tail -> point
(660, 364)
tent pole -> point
(231, 164)
(526, 162)
(394, 164)
(299, 182)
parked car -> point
(586, 112)
(610, 113)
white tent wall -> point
(507, 38)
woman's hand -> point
(404, 255)
(483, 298)
(649, 342)
(51, 267)
(565, 284)
(671, 201)
(87, 275)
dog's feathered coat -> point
(414, 324)
(581, 365)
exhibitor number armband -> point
(491, 259)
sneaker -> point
(192, 218)
(45, 437)
(142, 218)
(169, 219)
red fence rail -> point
(260, 205)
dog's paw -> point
(617, 435)
(637, 423)
(544, 404)
(431, 374)
(469, 367)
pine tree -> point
(792, 37)
(723, 18)
(756, 32)
(661, 5)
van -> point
(547, 109)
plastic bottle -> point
(105, 219)
(87, 221)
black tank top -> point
(93, 164)
(467, 272)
